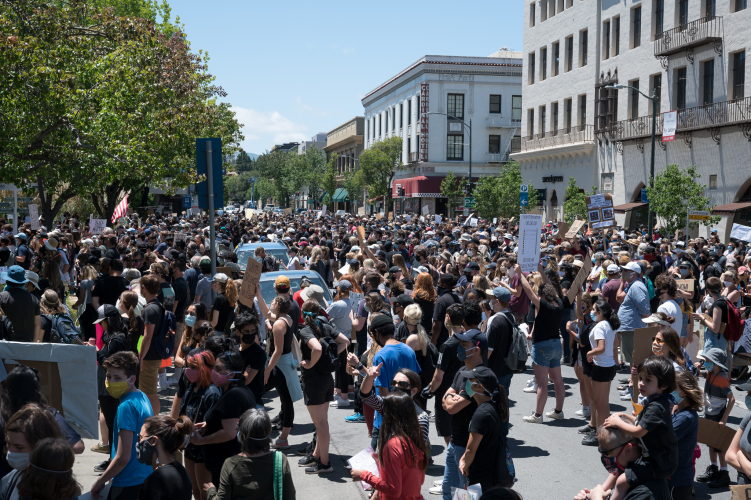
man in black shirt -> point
(108, 287)
(111, 243)
(446, 297)
(500, 332)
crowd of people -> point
(420, 311)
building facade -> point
(482, 95)
(346, 141)
(688, 54)
(318, 140)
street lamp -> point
(469, 127)
(652, 160)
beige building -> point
(346, 141)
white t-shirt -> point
(671, 308)
(294, 264)
(603, 331)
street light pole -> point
(653, 98)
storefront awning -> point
(730, 208)
(622, 209)
(323, 195)
(419, 187)
(340, 196)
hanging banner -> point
(669, 125)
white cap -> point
(632, 266)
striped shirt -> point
(716, 390)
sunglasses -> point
(401, 384)
(140, 437)
(605, 452)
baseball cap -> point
(106, 311)
(343, 284)
(282, 283)
(503, 294)
(221, 277)
(474, 336)
(404, 300)
(473, 266)
(612, 269)
(484, 376)
(633, 267)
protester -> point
(159, 440)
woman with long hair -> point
(580, 330)
(51, 270)
(50, 472)
(50, 307)
(195, 316)
(398, 260)
(601, 339)
(419, 341)
(425, 295)
(86, 312)
(714, 319)
(28, 426)
(666, 342)
(403, 453)
(128, 307)
(316, 262)
(159, 441)
(689, 399)
(224, 303)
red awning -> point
(622, 209)
(730, 208)
(419, 187)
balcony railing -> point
(685, 36)
(494, 157)
(718, 114)
(563, 137)
(516, 144)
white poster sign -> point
(323, 212)
(34, 216)
(425, 210)
(741, 232)
(473, 222)
(438, 219)
(529, 241)
(669, 124)
(97, 226)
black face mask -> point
(145, 452)
(248, 338)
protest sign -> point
(495, 220)
(425, 210)
(643, 343)
(685, 285)
(180, 237)
(355, 299)
(575, 228)
(391, 215)
(529, 241)
(364, 461)
(741, 232)
(250, 280)
(97, 226)
(715, 435)
(438, 219)
(287, 211)
(34, 217)
(562, 229)
(741, 491)
(323, 212)
(379, 216)
(361, 235)
(579, 280)
(466, 222)
(473, 222)
(225, 270)
(361, 211)
(248, 213)
(600, 210)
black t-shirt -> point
(343, 254)
(499, 334)
(548, 321)
(653, 490)
(109, 288)
(294, 313)
(21, 307)
(254, 357)
(566, 284)
(232, 404)
(446, 299)
(449, 363)
(112, 254)
(656, 417)
(180, 286)
(153, 315)
(460, 421)
(487, 423)
(306, 334)
(221, 304)
(722, 305)
(168, 482)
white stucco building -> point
(689, 53)
(485, 91)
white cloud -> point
(263, 129)
(304, 108)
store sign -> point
(553, 178)
(424, 110)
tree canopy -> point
(379, 164)
(673, 192)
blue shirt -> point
(686, 427)
(394, 357)
(133, 410)
(634, 306)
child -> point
(653, 427)
(719, 403)
(125, 470)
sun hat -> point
(716, 356)
(15, 274)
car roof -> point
(265, 244)
(290, 274)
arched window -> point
(553, 199)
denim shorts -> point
(547, 353)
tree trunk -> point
(48, 208)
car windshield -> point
(268, 292)
(277, 253)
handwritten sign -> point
(287, 211)
(34, 216)
(685, 285)
(529, 241)
(738, 492)
(250, 280)
(323, 212)
(600, 210)
(579, 280)
(473, 222)
(97, 226)
(575, 228)
(360, 210)
(391, 215)
(643, 343)
(562, 229)
(180, 237)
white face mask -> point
(727, 283)
(18, 461)
(511, 273)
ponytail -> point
(499, 399)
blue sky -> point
(292, 69)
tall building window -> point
(582, 110)
(617, 35)
(556, 57)
(569, 53)
(659, 17)
(708, 82)
(554, 118)
(543, 63)
(401, 115)
(532, 15)
(634, 99)
(710, 8)
(532, 68)
(680, 88)
(606, 39)
(409, 111)
(636, 16)
(740, 5)
(584, 49)
(567, 116)
(495, 104)
(682, 12)
(713, 182)
(657, 91)
(739, 74)
(543, 118)
(454, 148)
(455, 105)
(494, 144)
(516, 107)
(417, 111)
(530, 122)
(393, 119)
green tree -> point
(312, 169)
(329, 181)
(673, 192)
(575, 203)
(508, 188)
(452, 187)
(379, 164)
(243, 162)
(355, 186)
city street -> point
(550, 461)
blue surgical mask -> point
(594, 261)
(190, 320)
(593, 316)
(684, 273)
(709, 366)
(676, 397)
(468, 388)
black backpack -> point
(164, 340)
(63, 330)
(329, 361)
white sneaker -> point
(340, 402)
(584, 412)
(531, 388)
(533, 419)
(554, 415)
(626, 397)
(436, 490)
(438, 482)
(530, 382)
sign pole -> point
(212, 229)
(687, 215)
(15, 210)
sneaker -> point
(624, 380)
(721, 481)
(162, 381)
(339, 402)
(626, 397)
(587, 429)
(533, 419)
(278, 444)
(531, 388)
(590, 440)
(555, 415)
(357, 418)
(709, 475)
(584, 412)
(306, 450)
(172, 381)
(276, 419)
(438, 482)
(100, 448)
(307, 460)
(319, 468)
(436, 490)
(530, 382)
(102, 466)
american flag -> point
(121, 210)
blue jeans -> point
(505, 381)
(451, 474)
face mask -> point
(709, 366)
(511, 273)
(145, 451)
(611, 465)
(116, 389)
(561, 274)
(18, 461)
(105, 337)
(594, 261)
(657, 349)
(593, 316)
(727, 283)
(684, 273)
(190, 320)
(461, 352)
(470, 253)
(468, 388)
(676, 397)
(191, 374)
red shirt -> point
(397, 480)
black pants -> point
(124, 493)
(278, 381)
(681, 492)
(109, 405)
(362, 341)
(86, 322)
(341, 378)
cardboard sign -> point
(248, 213)
(579, 280)
(149, 212)
(685, 285)
(34, 217)
(361, 235)
(379, 216)
(225, 270)
(562, 229)
(473, 222)
(287, 211)
(97, 226)
(740, 492)
(575, 228)
(529, 242)
(425, 210)
(250, 280)
(643, 343)
(600, 210)
(355, 299)
(715, 435)
(495, 220)
(391, 215)
(360, 210)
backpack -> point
(164, 340)
(735, 325)
(516, 359)
(329, 361)
(63, 330)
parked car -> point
(267, 284)
(246, 251)
(300, 210)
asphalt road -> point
(550, 461)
